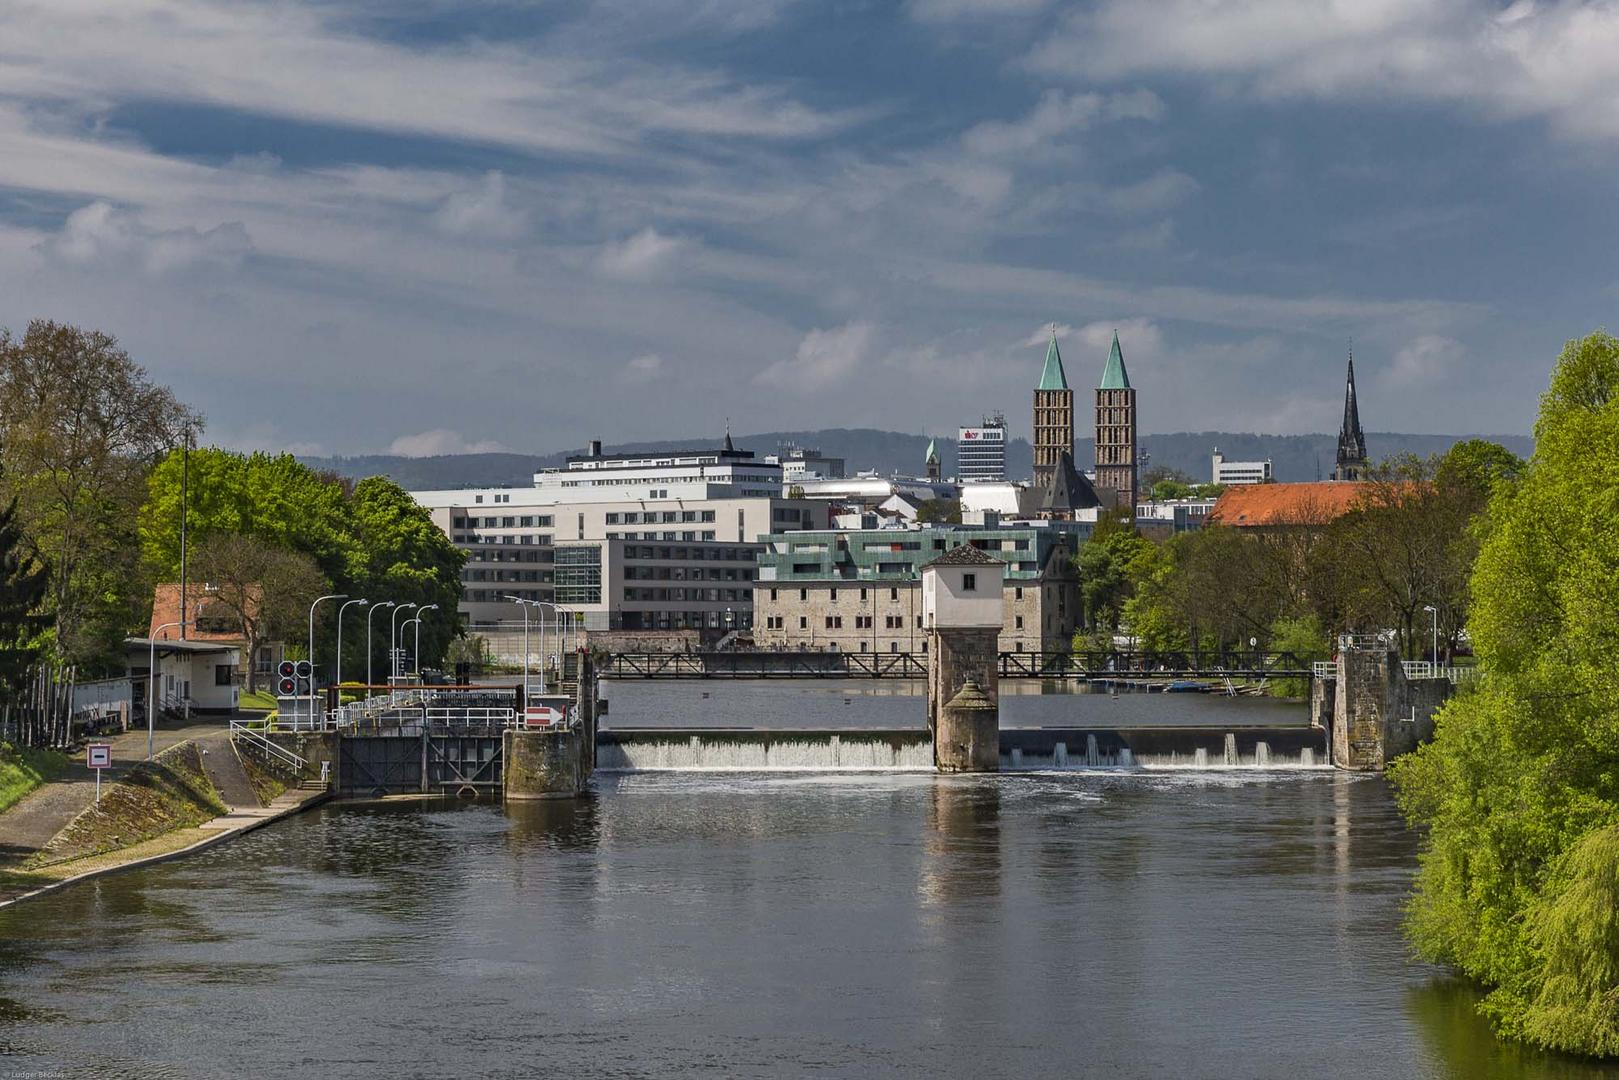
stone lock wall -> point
(1377, 713)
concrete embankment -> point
(653, 749)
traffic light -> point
(294, 677)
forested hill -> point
(1296, 457)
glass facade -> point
(579, 574)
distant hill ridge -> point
(1294, 457)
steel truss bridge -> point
(1102, 665)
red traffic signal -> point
(286, 669)
(287, 687)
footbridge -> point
(1091, 666)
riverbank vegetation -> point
(23, 769)
(1519, 790)
(152, 799)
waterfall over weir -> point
(854, 750)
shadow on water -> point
(555, 824)
(1461, 1046)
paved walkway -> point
(29, 825)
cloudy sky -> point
(435, 225)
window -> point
(832, 595)
(893, 594)
(772, 594)
(969, 582)
(862, 594)
(224, 674)
(1017, 594)
(803, 594)
(803, 622)
(1018, 623)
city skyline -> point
(426, 229)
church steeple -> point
(1053, 377)
(1053, 416)
(1352, 460)
(729, 446)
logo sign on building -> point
(98, 755)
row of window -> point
(487, 555)
(696, 554)
(653, 517)
(683, 573)
(688, 535)
(526, 540)
(646, 595)
(524, 521)
(505, 575)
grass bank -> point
(151, 800)
(21, 771)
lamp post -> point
(418, 621)
(342, 608)
(151, 688)
(1434, 611)
(370, 642)
(393, 641)
(313, 678)
(524, 604)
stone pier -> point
(1372, 710)
(555, 763)
(961, 610)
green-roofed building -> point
(1053, 416)
(1116, 429)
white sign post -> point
(98, 756)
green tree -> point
(264, 589)
(941, 511)
(1166, 490)
(1102, 565)
(80, 425)
(23, 584)
(1517, 790)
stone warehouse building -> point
(859, 591)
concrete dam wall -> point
(721, 750)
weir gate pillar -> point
(1374, 708)
(962, 613)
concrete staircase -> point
(225, 771)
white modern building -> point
(868, 490)
(633, 541)
(981, 451)
(800, 463)
(1240, 472)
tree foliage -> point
(264, 588)
(23, 583)
(1519, 789)
(80, 425)
(369, 540)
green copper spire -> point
(1114, 377)
(1053, 378)
(932, 455)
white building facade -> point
(1240, 472)
(981, 451)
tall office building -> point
(1116, 429)
(981, 451)
(1053, 417)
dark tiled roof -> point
(1068, 490)
(964, 555)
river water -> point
(1186, 924)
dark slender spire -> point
(729, 445)
(1351, 440)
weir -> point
(911, 749)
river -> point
(1188, 924)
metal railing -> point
(1413, 669)
(252, 736)
(470, 716)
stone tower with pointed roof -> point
(931, 463)
(1116, 429)
(1352, 462)
(1053, 417)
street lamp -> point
(370, 646)
(393, 641)
(344, 607)
(1435, 612)
(524, 604)
(312, 676)
(418, 621)
(151, 680)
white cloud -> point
(103, 235)
(1043, 335)
(1553, 60)
(1138, 339)
(481, 210)
(825, 358)
(642, 369)
(441, 441)
(639, 257)
(1424, 361)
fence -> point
(41, 713)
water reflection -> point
(963, 842)
(1460, 1045)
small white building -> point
(1240, 472)
(961, 589)
(192, 676)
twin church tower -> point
(1115, 427)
